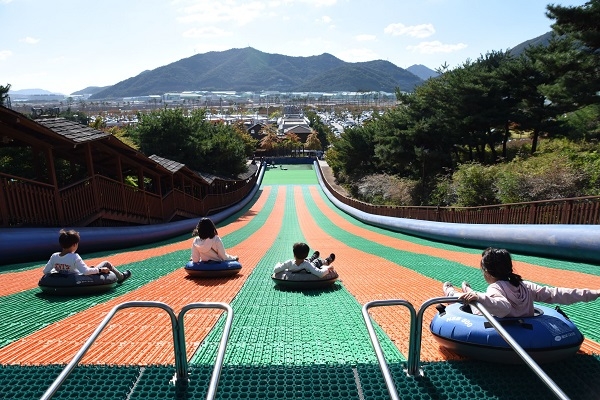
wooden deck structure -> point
(61, 173)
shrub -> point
(383, 189)
(473, 184)
(547, 176)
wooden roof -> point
(72, 130)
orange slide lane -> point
(550, 276)
(369, 277)
(143, 336)
(415, 288)
(14, 282)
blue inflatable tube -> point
(212, 269)
(28, 244)
(573, 242)
(548, 336)
(75, 285)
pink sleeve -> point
(558, 295)
(220, 249)
(495, 301)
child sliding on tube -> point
(207, 245)
(508, 295)
(315, 265)
(68, 261)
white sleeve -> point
(81, 266)
(50, 265)
(280, 267)
(314, 270)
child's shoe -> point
(330, 259)
(315, 255)
(466, 287)
(126, 275)
(448, 289)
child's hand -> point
(469, 296)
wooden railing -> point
(30, 203)
(26, 202)
(579, 210)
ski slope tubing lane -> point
(438, 264)
(284, 344)
(13, 282)
(143, 335)
(15, 244)
(576, 242)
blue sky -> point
(66, 45)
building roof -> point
(170, 165)
(72, 130)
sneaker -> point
(330, 259)
(448, 289)
(466, 287)
(315, 255)
(126, 275)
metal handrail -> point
(181, 364)
(375, 341)
(414, 349)
(216, 374)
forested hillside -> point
(252, 70)
(502, 128)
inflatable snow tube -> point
(303, 279)
(548, 336)
(212, 269)
(75, 285)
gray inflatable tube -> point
(30, 244)
(571, 242)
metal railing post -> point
(73, 363)
(181, 363)
(375, 341)
(216, 374)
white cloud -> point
(29, 40)
(208, 11)
(5, 1)
(418, 31)
(325, 19)
(5, 54)
(358, 55)
(365, 38)
(206, 32)
(202, 48)
(436, 47)
(319, 3)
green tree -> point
(270, 140)
(323, 131)
(577, 54)
(192, 140)
(4, 93)
(313, 142)
(249, 142)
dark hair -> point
(68, 238)
(497, 263)
(205, 229)
(300, 250)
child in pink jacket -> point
(508, 295)
(207, 245)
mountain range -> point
(249, 69)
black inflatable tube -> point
(571, 242)
(30, 244)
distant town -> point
(227, 106)
(204, 98)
